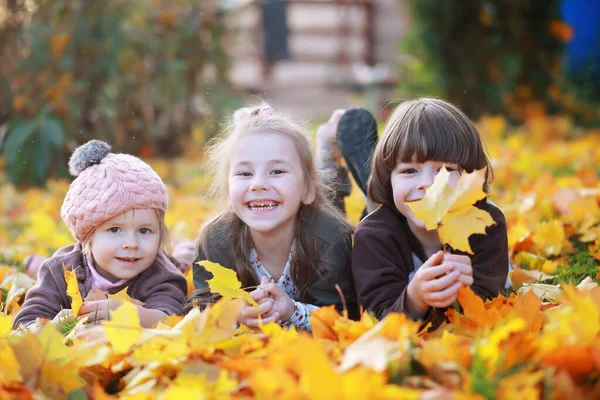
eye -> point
(278, 172)
(244, 174)
(145, 231)
(408, 171)
(114, 229)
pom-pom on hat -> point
(107, 185)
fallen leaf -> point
(225, 282)
(95, 294)
(73, 290)
(123, 297)
(123, 329)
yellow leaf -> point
(549, 237)
(73, 290)
(5, 325)
(123, 330)
(57, 380)
(10, 371)
(189, 277)
(225, 282)
(457, 227)
(452, 211)
(123, 297)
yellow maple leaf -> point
(123, 329)
(123, 297)
(73, 290)
(225, 282)
(451, 211)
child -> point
(279, 231)
(397, 264)
(115, 210)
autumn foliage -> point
(541, 339)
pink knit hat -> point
(108, 185)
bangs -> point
(432, 137)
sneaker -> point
(357, 138)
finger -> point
(255, 322)
(445, 303)
(445, 294)
(434, 260)
(466, 280)
(464, 269)
(274, 290)
(436, 285)
(258, 294)
(251, 312)
(431, 273)
(458, 258)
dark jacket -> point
(333, 243)
(161, 286)
(382, 259)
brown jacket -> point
(382, 259)
(161, 286)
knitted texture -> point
(114, 185)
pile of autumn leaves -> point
(542, 341)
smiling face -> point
(410, 181)
(126, 245)
(266, 182)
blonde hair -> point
(164, 239)
(425, 129)
(263, 119)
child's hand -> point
(98, 310)
(282, 304)
(461, 264)
(435, 284)
(249, 315)
(63, 317)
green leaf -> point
(17, 149)
(53, 131)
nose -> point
(426, 179)
(130, 241)
(259, 183)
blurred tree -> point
(138, 74)
(490, 56)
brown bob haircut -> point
(425, 130)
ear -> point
(309, 195)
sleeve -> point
(490, 261)
(44, 299)
(301, 316)
(336, 270)
(165, 291)
(381, 279)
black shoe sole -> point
(357, 137)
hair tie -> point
(265, 111)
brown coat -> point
(161, 286)
(382, 259)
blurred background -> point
(154, 77)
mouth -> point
(128, 259)
(262, 205)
